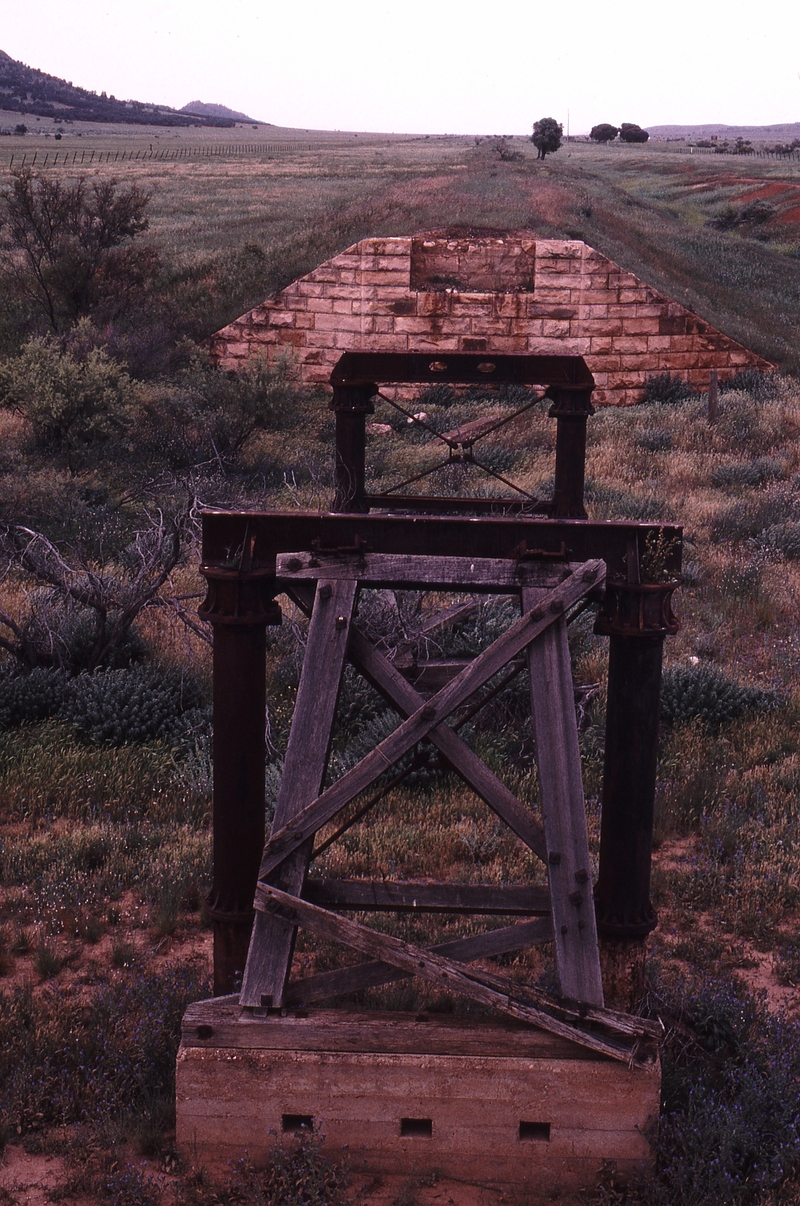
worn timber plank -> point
(220, 1022)
(272, 939)
(425, 573)
(397, 691)
(415, 896)
(447, 974)
(564, 813)
(420, 724)
(334, 983)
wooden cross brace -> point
(303, 807)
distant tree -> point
(21, 129)
(546, 136)
(604, 132)
(629, 132)
(68, 247)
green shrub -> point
(297, 1175)
(608, 502)
(666, 388)
(728, 1132)
(61, 1062)
(748, 474)
(119, 707)
(750, 517)
(32, 697)
(753, 381)
(704, 693)
(784, 538)
(655, 439)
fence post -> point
(713, 396)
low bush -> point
(62, 1061)
(655, 439)
(784, 538)
(119, 707)
(728, 1132)
(748, 474)
(705, 693)
(666, 388)
(760, 385)
(750, 517)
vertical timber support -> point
(636, 617)
(571, 407)
(351, 405)
(240, 605)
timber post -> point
(240, 605)
(351, 405)
(636, 617)
(571, 407)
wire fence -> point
(750, 152)
(84, 157)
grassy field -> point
(104, 841)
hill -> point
(26, 90)
(201, 109)
(777, 133)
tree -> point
(69, 248)
(629, 132)
(604, 132)
(546, 136)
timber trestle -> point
(553, 561)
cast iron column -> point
(572, 405)
(352, 404)
(240, 605)
(636, 617)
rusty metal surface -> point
(460, 368)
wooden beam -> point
(419, 725)
(272, 940)
(373, 974)
(564, 813)
(424, 573)
(445, 973)
(394, 688)
(408, 896)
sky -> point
(428, 66)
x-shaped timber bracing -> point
(303, 807)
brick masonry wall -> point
(504, 294)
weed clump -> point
(118, 707)
(705, 693)
(666, 388)
(296, 1176)
(783, 538)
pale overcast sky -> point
(428, 66)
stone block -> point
(338, 322)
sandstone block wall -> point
(509, 293)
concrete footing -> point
(498, 1104)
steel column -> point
(351, 404)
(239, 605)
(571, 407)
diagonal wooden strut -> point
(419, 725)
(496, 991)
(374, 973)
(272, 939)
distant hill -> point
(778, 133)
(203, 110)
(25, 90)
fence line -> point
(85, 158)
(751, 153)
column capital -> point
(240, 598)
(637, 610)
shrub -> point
(704, 693)
(664, 387)
(28, 698)
(747, 518)
(760, 385)
(296, 1176)
(655, 439)
(61, 1062)
(118, 707)
(71, 402)
(630, 132)
(784, 538)
(748, 474)
(728, 1131)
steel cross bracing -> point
(328, 585)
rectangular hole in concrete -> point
(539, 1132)
(292, 1123)
(422, 1128)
